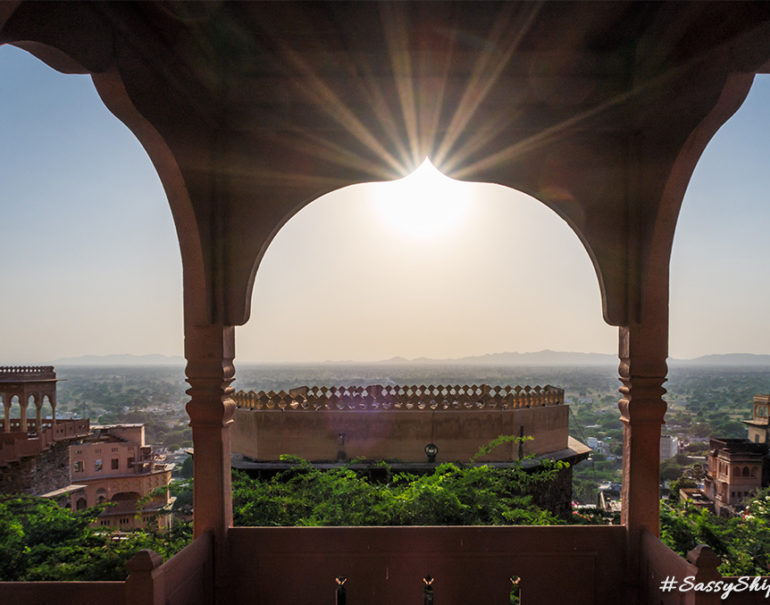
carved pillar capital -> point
(210, 371)
(211, 402)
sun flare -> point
(426, 204)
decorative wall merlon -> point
(401, 397)
(16, 373)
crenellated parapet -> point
(389, 422)
(401, 397)
(14, 373)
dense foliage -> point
(39, 540)
(743, 543)
(451, 495)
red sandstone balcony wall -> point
(385, 565)
(396, 434)
(185, 579)
(63, 593)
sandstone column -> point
(643, 352)
(210, 350)
(38, 399)
(23, 403)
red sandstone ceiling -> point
(251, 110)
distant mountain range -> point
(538, 358)
(728, 359)
(563, 358)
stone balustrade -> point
(9, 373)
(401, 397)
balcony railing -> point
(401, 397)
(185, 579)
(573, 565)
(16, 444)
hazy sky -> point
(89, 262)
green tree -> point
(452, 495)
(40, 540)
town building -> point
(77, 464)
(737, 468)
(758, 426)
(252, 110)
(669, 446)
(734, 473)
(34, 450)
(696, 497)
(114, 464)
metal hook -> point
(340, 595)
(427, 593)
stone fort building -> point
(414, 428)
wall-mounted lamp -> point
(431, 450)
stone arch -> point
(663, 187)
(125, 496)
(727, 100)
(589, 200)
(551, 232)
(107, 79)
(46, 399)
(13, 403)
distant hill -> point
(539, 358)
(728, 359)
(564, 358)
(120, 360)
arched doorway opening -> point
(95, 271)
(346, 279)
(96, 230)
(719, 352)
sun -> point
(424, 205)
